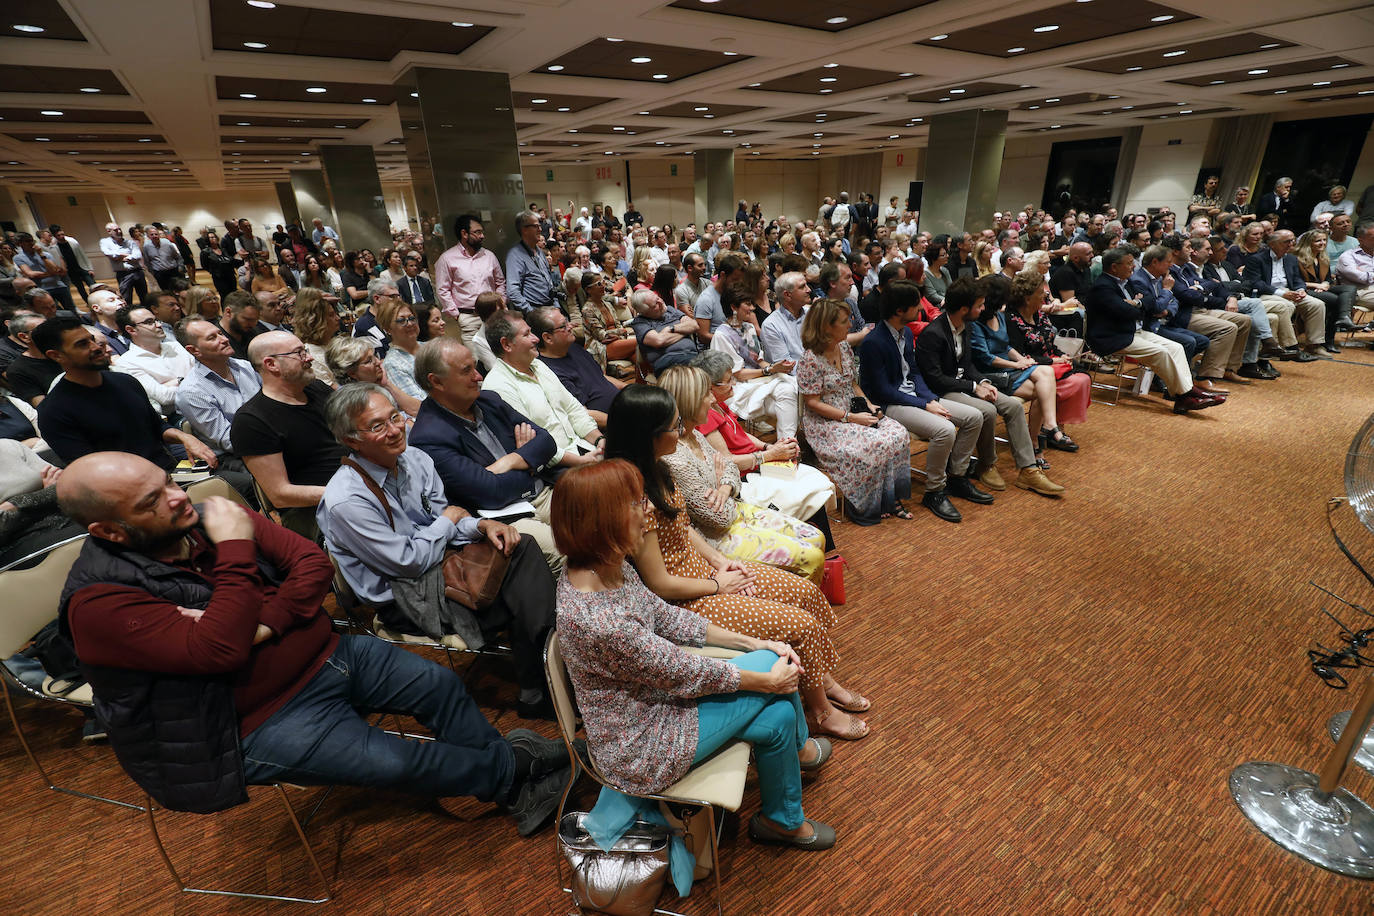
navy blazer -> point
(943, 371)
(461, 459)
(1111, 317)
(1151, 305)
(1259, 271)
(426, 290)
(883, 368)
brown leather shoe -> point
(1236, 378)
(1210, 386)
(1032, 478)
(1192, 401)
(991, 479)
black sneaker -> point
(537, 801)
(964, 488)
(549, 755)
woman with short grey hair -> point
(353, 359)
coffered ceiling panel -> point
(964, 92)
(281, 90)
(1187, 53)
(807, 14)
(1055, 27)
(609, 58)
(66, 115)
(283, 29)
(553, 101)
(828, 78)
(37, 19)
(1267, 71)
(59, 80)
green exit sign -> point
(71, 201)
(548, 174)
(673, 169)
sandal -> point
(901, 512)
(856, 703)
(857, 730)
(1056, 438)
(824, 751)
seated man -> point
(31, 373)
(888, 375)
(1272, 274)
(574, 366)
(212, 392)
(201, 634)
(944, 355)
(1115, 325)
(158, 362)
(281, 433)
(1356, 267)
(487, 453)
(239, 320)
(780, 332)
(1168, 318)
(90, 410)
(1207, 299)
(387, 522)
(665, 335)
(531, 388)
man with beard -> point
(281, 432)
(201, 632)
(465, 271)
(91, 410)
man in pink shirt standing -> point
(465, 271)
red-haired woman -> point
(652, 709)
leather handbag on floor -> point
(832, 581)
(628, 879)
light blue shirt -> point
(35, 263)
(326, 233)
(370, 553)
(708, 306)
(530, 281)
(209, 402)
(781, 335)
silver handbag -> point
(628, 879)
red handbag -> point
(1061, 370)
(832, 581)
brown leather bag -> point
(473, 573)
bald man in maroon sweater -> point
(169, 601)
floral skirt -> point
(767, 536)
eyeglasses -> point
(403, 321)
(382, 426)
(147, 323)
(298, 353)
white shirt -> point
(543, 400)
(119, 253)
(158, 372)
(1278, 278)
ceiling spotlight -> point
(837, 20)
(616, 40)
(554, 68)
(341, 127)
(1186, 111)
(538, 101)
(463, 25)
(415, 95)
(255, 45)
(617, 128)
(708, 116)
(730, 53)
(938, 37)
(1133, 69)
(824, 91)
(262, 4)
(818, 135)
(755, 85)
(247, 95)
(1015, 50)
(727, 131)
(315, 89)
(1280, 91)
(240, 140)
(1321, 83)
(893, 136)
(829, 79)
(660, 76)
(1161, 18)
(1127, 107)
(1046, 28)
(90, 89)
(640, 60)
(176, 170)
(1054, 127)
(1273, 44)
(831, 66)
(1175, 53)
(1259, 72)
(565, 109)
(51, 112)
(245, 124)
(906, 74)
(1333, 67)
(145, 139)
(1216, 82)
(34, 29)
(702, 108)
(1049, 101)
(1032, 107)
(369, 100)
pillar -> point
(287, 198)
(312, 199)
(963, 169)
(459, 131)
(714, 179)
(356, 190)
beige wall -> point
(1165, 174)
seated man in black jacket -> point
(488, 455)
(1115, 320)
(945, 357)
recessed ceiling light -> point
(640, 60)
(145, 139)
(240, 141)
(754, 153)
(317, 89)
(1216, 82)
(825, 91)
(245, 124)
(708, 116)
(573, 130)
(1333, 67)
(247, 95)
(1280, 91)
(917, 120)
(1161, 18)
(836, 20)
(369, 100)
(894, 136)
(538, 101)
(463, 25)
(906, 74)
(830, 79)
(255, 45)
(617, 40)
(51, 112)
(617, 128)
(1259, 72)
(1127, 107)
(90, 89)
(1054, 127)
(415, 95)
(236, 154)
(554, 68)
(1186, 111)
(730, 53)
(1048, 101)
(176, 170)
(1320, 83)
(1175, 53)
(1015, 50)
(1032, 107)
(957, 91)
(702, 108)
(818, 135)
(28, 28)
(1361, 92)
(305, 153)
(831, 66)
(262, 4)
(1133, 69)
(1046, 28)
(1274, 44)
(660, 76)
(727, 131)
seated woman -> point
(1032, 334)
(317, 323)
(709, 483)
(762, 389)
(265, 279)
(651, 709)
(572, 289)
(399, 321)
(678, 565)
(354, 359)
(937, 278)
(202, 301)
(1316, 273)
(606, 320)
(1014, 373)
(868, 457)
(429, 318)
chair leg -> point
(300, 833)
(42, 773)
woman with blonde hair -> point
(317, 323)
(982, 257)
(787, 244)
(202, 301)
(710, 483)
(1316, 272)
(402, 325)
(643, 267)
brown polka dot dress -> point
(784, 607)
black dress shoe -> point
(964, 488)
(1302, 356)
(1270, 347)
(1331, 347)
(1252, 370)
(1345, 324)
(936, 501)
(1267, 366)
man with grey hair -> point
(665, 334)
(387, 522)
(380, 291)
(162, 258)
(780, 333)
(1277, 205)
(531, 281)
(1272, 275)
(126, 262)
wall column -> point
(963, 169)
(714, 178)
(312, 198)
(356, 190)
(459, 131)
(287, 198)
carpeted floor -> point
(1061, 689)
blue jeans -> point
(1259, 327)
(776, 727)
(320, 737)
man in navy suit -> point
(1272, 274)
(488, 454)
(1150, 281)
(415, 288)
(1278, 202)
(888, 375)
(1115, 320)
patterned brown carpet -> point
(1061, 689)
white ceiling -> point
(163, 51)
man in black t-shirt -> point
(281, 433)
(30, 374)
(1070, 283)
